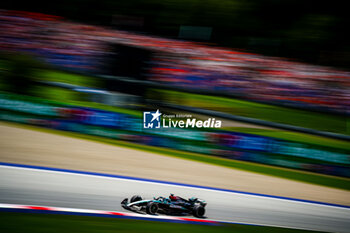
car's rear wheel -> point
(151, 208)
(135, 198)
(198, 211)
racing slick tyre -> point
(151, 208)
(198, 211)
(135, 198)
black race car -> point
(174, 205)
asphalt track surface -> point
(51, 188)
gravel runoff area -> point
(25, 146)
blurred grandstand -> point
(188, 65)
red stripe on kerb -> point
(117, 213)
(196, 220)
(39, 208)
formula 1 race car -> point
(174, 205)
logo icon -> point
(151, 120)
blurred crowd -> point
(261, 78)
(185, 64)
(56, 42)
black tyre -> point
(135, 198)
(198, 211)
(151, 208)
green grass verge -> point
(303, 118)
(302, 176)
(66, 77)
(69, 97)
(52, 223)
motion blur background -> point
(275, 72)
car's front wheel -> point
(151, 208)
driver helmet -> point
(173, 198)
